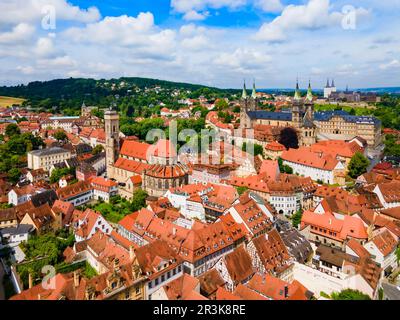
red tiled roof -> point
(135, 149)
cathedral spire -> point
(297, 94)
(254, 93)
(244, 94)
(327, 83)
(309, 92)
(333, 83)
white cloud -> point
(390, 65)
(44, 47)
(243, 60)
(34, 11)
(194, 16)
(315, 14)
(20, 33)
(183, 6)
(273, 6)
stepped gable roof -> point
(210, 281)
(385, 242)
(272, 251)
(306, 157)
(239, 265)
(135, 149)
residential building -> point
(78, 193)
(45, 158)
(103, 189)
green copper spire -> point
(297, 94)
(309, 93)
(244, 94)
(254, 93)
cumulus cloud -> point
(35, 10)
(243, 60)
(20, 33)
(315, 14)
(273, 6)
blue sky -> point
(212, 42)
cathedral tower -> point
(308, 130)
(245, 107)
(111, 119)
(297, 107)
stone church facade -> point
(310, 125)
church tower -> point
(254, 99)
(308, 130)
(297, 107)
(111, 119)
(245, 107)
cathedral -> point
(311, 126)
(301, 116)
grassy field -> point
(9, 101)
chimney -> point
(266, 236)
(174, 231)
(131, 253)
(286, 291)
(30, 280)
(76, 279)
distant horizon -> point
(248, 85)
(214, 42)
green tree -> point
(241, 190)
(57, 174)
(60, 135)
(296, 218)
(221, 104)
(12, 130)
(349, 294)
(358, 165)
(97, 149)
(14, 174)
